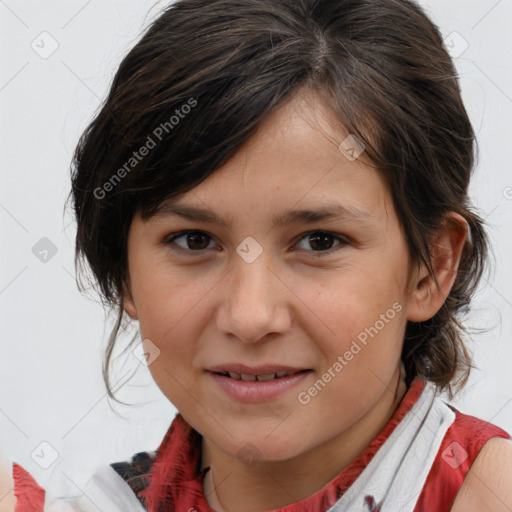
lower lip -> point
(257, 391)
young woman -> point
(277, 192)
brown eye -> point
(196, 241)
(321, 242)
(191, 241)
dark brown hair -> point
(207, 72)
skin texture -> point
(7, 498)
(285, 307)
(488, 484)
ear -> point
(426, 298)
(129, 304)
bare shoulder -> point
(7, 499)
(488, 484)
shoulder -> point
(7, 498)
(488, 483)
(469, 443)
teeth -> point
(270, 376)
(259, 378)
(248, 378)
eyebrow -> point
(306, 216)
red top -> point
(459, 448)
(174, 481)
(30, 497)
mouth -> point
(256, 384)
(262, 372)
(260, 377)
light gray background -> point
(52, 337)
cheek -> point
(174, 326)
(171, 312)
(348, 305)
(167, 300)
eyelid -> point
(318, 254)
(169, 240)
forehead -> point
(291, 167)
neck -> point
(232, 486)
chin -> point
(254, 449)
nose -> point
(254, 303)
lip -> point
(257, 391)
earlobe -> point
(427, 297)
(130, 309)
(129, 304)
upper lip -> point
(266, 369)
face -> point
(261, 290)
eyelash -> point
(170, 239)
